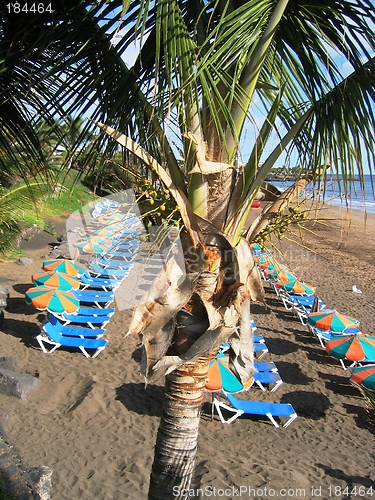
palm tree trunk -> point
(176, 442)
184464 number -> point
(29, 8)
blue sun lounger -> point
(109, 273)
(88, 281)
(95, 311)
(260, 348)
(94, 297)
(264, 366)
(259, 339)
(300, 304)
(255, 408)
(125, 256)
(267, 378)
(105, 262)
(50, 335)
(127, 242)
(71, 331)
(92, 321)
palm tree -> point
(207, 66)
(204, 74)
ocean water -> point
(334, 193)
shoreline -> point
(93, 422)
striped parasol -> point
(330, 319)
(220, 376)
(298, 287)
(355, 347)
(66, 266)
(52, 300)
(58, 280)
(364, 375)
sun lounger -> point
(127, 242)
(267, 378)
(126, 256)
(88, 281)
(94, 297)
(94, 322)
(247, 407)
(51, 336)
(264, 366)
(259, 346)
(260, 349)
(300, 305)
(106, 262)
(108, 273)
(71, 331)
(259, 339)
(95, 311)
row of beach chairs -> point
(302, 305)
(86, 328)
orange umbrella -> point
(330, 319)
(92, 246)
(56, 280)
(44, 298)
(365, 375)
(298, 287)
(282, 275)
(66, 266)
(355, 347)
(220, 376)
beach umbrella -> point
(90, 246)
(330, 319)
(298, 287)
(355, 347)
(261, 259)
(364, 375)
(106, 232)
(114, 217)
(52, 300)
(257, 248)
(282, 275)
(220, 376)
(56, 280)
(268, 263)
(66, 266)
